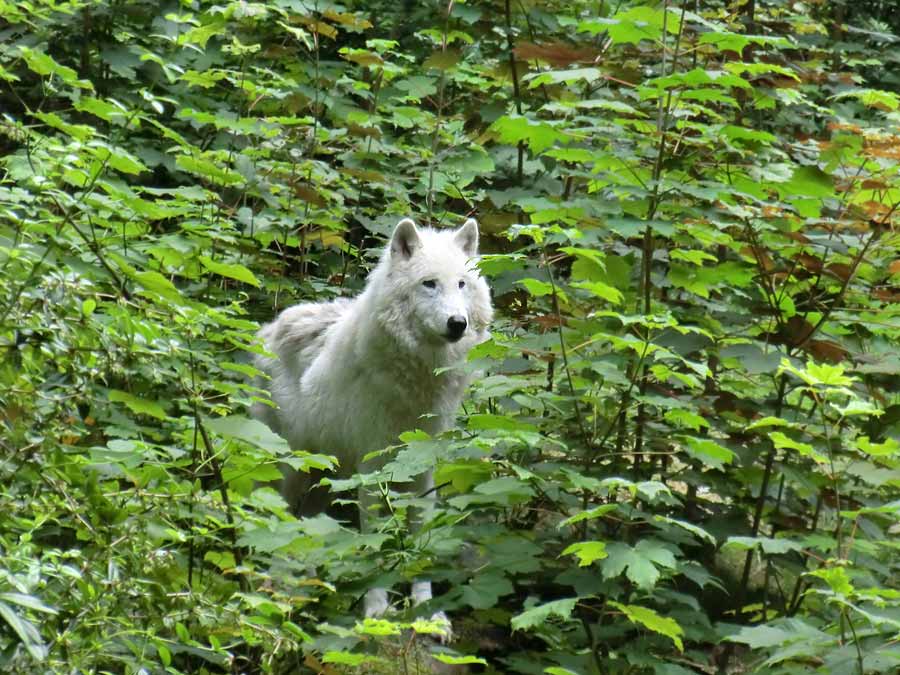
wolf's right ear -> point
(405, 239)
(467, 237)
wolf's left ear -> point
(467, 237)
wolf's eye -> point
(429, 283)
(462, 284)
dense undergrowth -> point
(683, 456)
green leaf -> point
(768, 545)
(600, 290)
(808, 181)
(563, 76)
(650, 620)
(818, 374)
(417, 87)
(458, 660)
(511, 129)
(590, 514)
(232, 271)
(118, 159)
(778, 633)
(348, 658)
(463, 475)
(537, 288)
(26, 632)
(44, 64)
(745, 136)
(377, 627)
(156, 283)
(768, 421)
(28, 601)
(248, 430)
(781, 441)
(887, 449)
(837, 579)
(640, 564)
(875, 98)
(485, 422)
(138, 405)
(685, 419)
(735, 42)
(586, 552)
(209, 170)
(540, 614)
(690, 527)
(633, 25)
(81, 132)
(707, 451)
(485, 589)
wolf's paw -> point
(446, 634)
(437, 627)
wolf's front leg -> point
(421, 588)
(376, 603)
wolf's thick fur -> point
(351, 375)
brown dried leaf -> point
(799, 237)
(555, 53)
(886, 294)
(760, 255)
(320, 668)
(838, 126)
(827, 350)
(363, 132)
(810, 262)
(346, 19)
(364, 174)
(443, 60)
(364, 58)
(840, 270)
(319, 27)
(548, 322)
(308, 194)
(797, 329)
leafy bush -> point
(684, 454)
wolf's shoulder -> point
(300, 326)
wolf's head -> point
(433, 287)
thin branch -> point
(517, 94)
(877, 229)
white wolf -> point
(351, 375)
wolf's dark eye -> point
(462, 284)
(429, 283)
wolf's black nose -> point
(456, 326)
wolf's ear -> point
(467, 237)
(405, 239)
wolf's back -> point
(295, 337)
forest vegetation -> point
(682, 454)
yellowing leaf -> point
(886, 449)
(652, 621)
(586, 552)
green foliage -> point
(683, 453)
